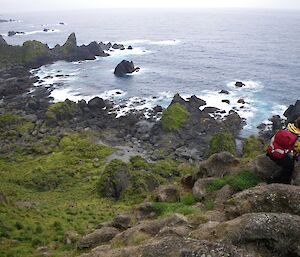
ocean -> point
(191, 52)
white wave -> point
(41, 31)
(61, 94)
(279, 109)
(249, 85)
(165, 42)
(135, 42)
(113, 94)
(214, 99)
(126, 52)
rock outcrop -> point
(125, 67)
(217, 165)
(99, 236)
(265, 198)
(278, 232)
(293, 112)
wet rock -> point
(239, 84)
(129, 48)
(265, 198)
(13, 33)
(125, 67)
(169, 194)
(157, 109)
(118, 46)
(226, 92)
(2, 41)
(226, 101)
(241, 101)
(293, 112)
(99, 236)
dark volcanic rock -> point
(12, 33)
(118, 46)
(2, 41)
(224, 92)
(129, 47)
(293, 112)
(96, 103)
(125, 67)
(95, 49)
(226, 101)
(239, 84)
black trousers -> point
(287, 165)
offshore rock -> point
(293, 112)
(125, 67)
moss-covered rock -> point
(61, 111)
(220, 142)
(252, 147)
(174, 117)
(114, 180)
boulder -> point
(222, 196)
(169, 194)
(118, 46)
(96, 103)
(12, 33)
(157, 109)
(264, 167)
(147, 229)
(122, 221)
(241, 101)
(125, 67)
(239, 84)
(265, 198)
(218, 165)
(226, 92)
(199, 189)
(226, 101)
(279, 232)
(186, 153)
(145, 210)
(172, 246)
(98, 237)
(129, 48)
(293, 112)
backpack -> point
(281, 144)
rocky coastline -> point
(80, 181)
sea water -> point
(191, 52)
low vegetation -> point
(252, 147)
(220, 142)
(174, 117)
(237, 182)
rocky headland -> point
(76, 180)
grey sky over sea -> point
(37, 5)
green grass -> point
(252, 147)
(237, 182)
(60, 111)
(184, 206)
(59, 191)
(223, 141)
(174, 117)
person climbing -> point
(284, 149)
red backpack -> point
(281, 144)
